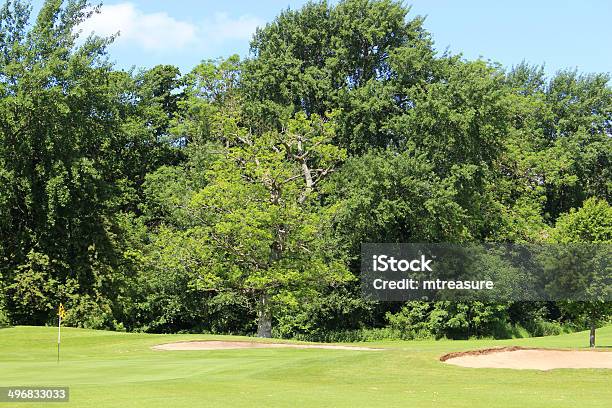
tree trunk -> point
(264, 317)
(264, 312)
(309, 183)
(592, 335)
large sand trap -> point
(535, 359)
(227, 345)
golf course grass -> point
(108, 369)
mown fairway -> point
(106, 369)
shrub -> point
(452, 320)
(4, 319)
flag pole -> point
(61, 313)
(59, 331)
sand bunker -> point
(227, 345)
(535, 359)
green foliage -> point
(172, 289)
(257, 217)
(33, 290)
(458, 120)
(592, 223)
(212, 107)
(87, 312)
(541, 327)
(451, 320)
(336, 57)
(148, 106)
(76, 141)
(561, 145)
(58, 112)
(4, 318)
(316, 318)
(356, 335)
(390, 197)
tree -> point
(384, 196)
(213, 103)
(260, 218)
(60, 117)
(559, 140)
(150, 103)
(349, 56)
(592, 223)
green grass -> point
(106, 369)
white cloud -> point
(222, 27)
(154, 31)
(160, 32)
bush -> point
(352, 336)
(453, 320)
(541, 327)
(335, 313)
(413, 321)
(4, 319)
(31, 292)
(83, 311)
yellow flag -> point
(61, 312)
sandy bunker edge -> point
(516, 357)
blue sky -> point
(560, 34)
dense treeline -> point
(234, 198)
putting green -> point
(106, 369)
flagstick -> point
(59, 330)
